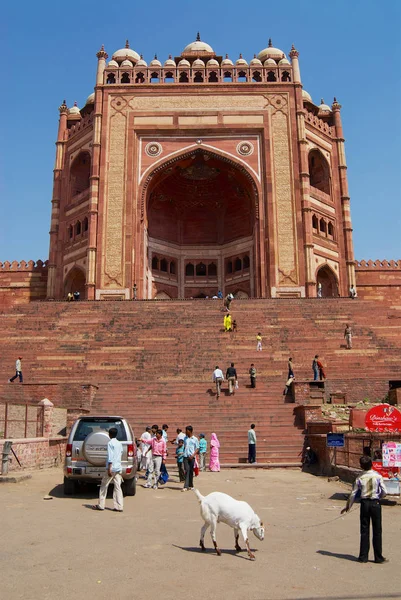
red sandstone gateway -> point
(383, 418)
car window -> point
(87, 427)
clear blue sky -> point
(348, 48)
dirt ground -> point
(61, 549)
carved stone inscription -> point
(115, 202)
(285, 226)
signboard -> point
(383, 418)
(386, 472)
(335, 440)
(391, 452)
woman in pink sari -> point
(214, 464)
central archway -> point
(200, 227)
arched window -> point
(189, 270)
(198, 78)
(140, 78)
(163, 265)
(70, 232)
(213, 77)
(111, 78)
(238, 264)
(86, 224)
(212, 270)
(183, 77)
(155, 263)
(229, 267)
(169, 77)
(172, 267)
(322, 226)
(315, 222)
(201, 270)
(125, 78)
(271, 76)
(330, 229)
(285, 76)
(242, 78)
(328, 280)
(78, 228)
(228, 76)
(154, 78)
(246, 262)
(79, 173)
(319, 171)
(256, 76)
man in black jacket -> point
(231, 376)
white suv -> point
(86, 452)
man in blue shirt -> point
(191, 449)
(202, 451)
(112, 474)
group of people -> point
(190, 454)
(73, 296)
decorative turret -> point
(295, 64)
(102, 56)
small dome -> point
(74, 110)
(90, 99)
(155, 62)
(255, 62)
(198, 46)
(271, 52)
(127, 63)
(284, 61)
(126, 52)
(212, 63)
(324, 108)
(198, 63)
(241, 61)
(184, 63)
(112, 63)
(270, 62)
(141, 62)
(227, 62)
(306, 97)
(170, 62)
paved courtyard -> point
(60, 549)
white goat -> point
(218, 507)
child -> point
(252, 374)
(259, 343)
(202, 451)
(179, 454)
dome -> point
(241, 61)
(271, 52)
(112, 63)
(227, 62)
(155, 62)
(170, 62)
(198, 63)
(74, 110)
(127, 63)
(324, 107)
(184, 63)
(284, 61)
(270, 62)
(306, 97)
(212, 63)
(126, 52)
(198, 46)
(255, 62)
(90, 99)
(141, 62)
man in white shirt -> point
(252, 444)
(18, 371)
(218, 378)
(113, 473)
(146, 458)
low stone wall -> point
(36, 453)
(22, 282)
(378, 280)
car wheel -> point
(129, 487)
(69, 486)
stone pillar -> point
(94, 178)
(345, 199)
(47, 417)
(310, 284)
(54, 225)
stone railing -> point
(319, 124)
(378, 264)
(80, 125)
(23, 266)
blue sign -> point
(335, 440)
